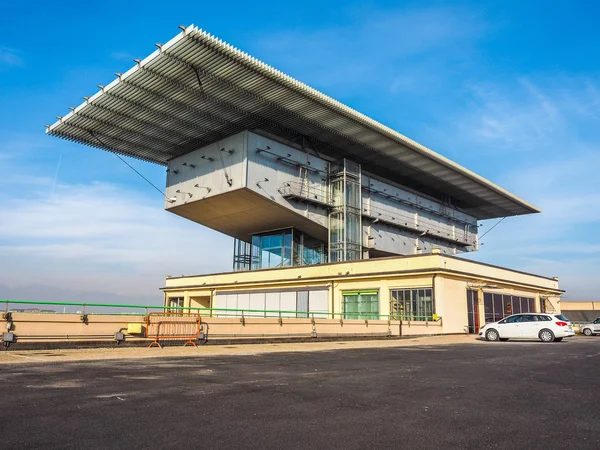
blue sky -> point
(508, 89)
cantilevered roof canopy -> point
(196, 89)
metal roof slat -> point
(335, 126)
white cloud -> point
(101, 236)
(541, 116)
(520, 120)
(10, 57)
(375, 47)
(122, 56)
(548, 134)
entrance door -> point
(473, 312)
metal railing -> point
(144, 310)
(173, 326)
(406, 220)
(305, 191)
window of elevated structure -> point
(284, 248)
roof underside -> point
(196, 90)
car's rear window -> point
(561, 317)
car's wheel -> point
(492, 335)
(587, 331)
(546, 335)
(558, 339)
(503, 339)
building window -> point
(302, 304)
(498, 306)
(280, 248)
(174, 303)
(361, 305)
(412, 304)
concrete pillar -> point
(384, 298)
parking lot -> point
(459, 395)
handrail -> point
(280, 313)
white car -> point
(545, 327)
(591, 328)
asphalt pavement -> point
(513, 395)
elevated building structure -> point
(295, 177)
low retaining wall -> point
(33, 327)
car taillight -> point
(562, 324)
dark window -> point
(489, 307)
(528, 318)
(498, 306)
(524, 305)
(561, 317)
(507, 300)
(516, 305)
(513, 319)
(498, 312)
(472, 311)
(544, 318)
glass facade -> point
(498, 306)
(279, 248)
(241, 255)
(361, 305)
(345, 226)
(412, 304)
(473, 311)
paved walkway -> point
(95, 354)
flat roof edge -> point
(387, 258)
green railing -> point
(214, 312)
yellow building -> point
(430, 294)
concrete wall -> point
(68, 327)
(271, 169)
(580, 306)
(392, 203)
(53, 328)
(263, 165)
(207, 173)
